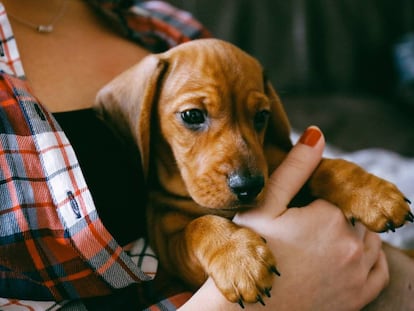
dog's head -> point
(210, 111)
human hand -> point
(325, 263)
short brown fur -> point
(189, 170)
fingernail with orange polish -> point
(311, 136)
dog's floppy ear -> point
(278, 130)
(126, 103)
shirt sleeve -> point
(155, 25)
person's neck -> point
(65, 68)
(39, 12)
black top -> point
(113, 176)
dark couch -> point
(332, 62)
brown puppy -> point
(210, 128)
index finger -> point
(286, 181)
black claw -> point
(264, 240)
(352, 221)
(410, 217)
(390, 226)
(274, 270)
(407, 200)
(267, 292)
(240, 302)
(260, 299)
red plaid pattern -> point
(9, 55)
(53, 245)
(155, 25)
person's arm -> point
(325, 262)
(398, 295)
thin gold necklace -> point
(43, 28)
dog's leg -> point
(362, 196)
(236, 258)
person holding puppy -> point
(56, 56)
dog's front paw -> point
(379, 205)
(362, 196)
(244, 268)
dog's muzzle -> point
(245, 186)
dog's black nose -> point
(246, 187)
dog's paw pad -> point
(381, 208)
(244, 273)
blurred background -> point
(345, 65)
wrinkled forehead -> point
(215, 64)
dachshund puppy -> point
(209, 128)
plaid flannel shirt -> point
(53, 245)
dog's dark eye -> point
(193, 118)
(260, 119)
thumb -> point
(299, 164)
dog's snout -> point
(246, 187)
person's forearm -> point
(398, 295)
(209, 298)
